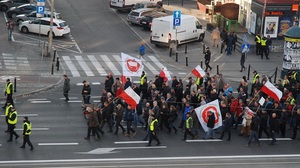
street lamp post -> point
(50, 36)
(263, 17)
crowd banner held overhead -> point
(269, 89)
(164, 73)
(198, 71)
(130, 97)
(202, 114)
(131, 66)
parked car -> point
(135, 16)
(22, 9)
(146, 21)
(6, 4)
(128, 4)
(60, 27)
(32, 16)
(157, 6)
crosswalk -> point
(93, 65)
(11, 62)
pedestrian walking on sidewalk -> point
(142, 50)
(215, 35)
(66, 88)
(26, 133)
(207, 58)
(243, 59)
(10, 27)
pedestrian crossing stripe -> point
(101, 64)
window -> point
(198, 25)
(44, 22)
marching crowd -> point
(162, 102)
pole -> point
(201, 64)
(203, 48)
(218, 69)
(15, 84)
(185, 50)
(275, 75)
(186, 60)
(248, 72)
(176, 56)
(53, 61)
(50, 37)
(263, 17)
(170, 52)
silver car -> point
(135, 16)
(32, 16)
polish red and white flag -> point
(269, 89)
(198, 71)
(123, 79)
(130, 97)
(164, 73)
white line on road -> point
(110, 65)
(217, 58)
(71, 66)
(97, 65)
(155, 61)
(71, 98)
(23, 115)
(39, 102)
(34, 129)
(57, 144)
(204, 140)
(84, 66)
(278, 139)
(131, 142)
(96, 83)
(149, 66)
(74, 101)
(36, 99)
(118, 59)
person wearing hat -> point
(188, 127)
(153, 129)
(26, 133)
(12, 121)
(207, 57)
(263, 123)
(66, 87)
(8, 93)
(210, 125)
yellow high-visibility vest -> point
(257, 39)
(187, 123)
(13, 121)
(28, 130)
(255, 77)
(152, 124)
(7, 88)
(7, 109)
(263, 42)
(142, 80)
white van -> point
(127, 4)
(164, 34)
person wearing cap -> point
(7, 113)
(66, 87)
(207, 57)
(8, 93)
(118, 118)
(188, 127)
(210, 125)
(86, 92)
(263, 123)
(12, 121)
(26, 133)
(153, 129)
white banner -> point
(202, 114)
(131, 66)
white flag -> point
(131, 66)
(202, 114)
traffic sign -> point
(40, 9)
(245, 48)
(176, 18)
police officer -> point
(26, 133)
(7, 113)
(264, 48)
(255, 77)
(12, 121)
(188, 126)
(257, 40)
(153, 129)
(8, 93)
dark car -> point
(22, 9)
(6, 4)
(146, 21)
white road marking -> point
(96, 83)
(71, 66)
(74, 101)
(36, 99)
(97, 65)
(34, 129)
(71, 98)
(57, 144)
(110, 65)
(131, 142)
(39, 102)
(155, 61)
(278, 139)
(96, 101)
(118, 59)
(84, 66)
(182, 73)
(217, 58)
(204, 140)
(149, 66)
(23, 115)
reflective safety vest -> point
(255, 77)
(13, 121)
(142, 80)
(198, 81)
(7, 88)
(257, 39)
(295, 75)
(7, 109)
(187, 123)
(263, 42)
(28, 130)
(152, 124)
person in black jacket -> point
(210, 125)
(118, 118)
(274, 127)
(207, 57)
(172, 116)
(86, 92)
(296, 123)
(283, 121)
(254, 130)
(227, 126)
(263, 123)
(153, 129)
(106, 116)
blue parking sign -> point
(176, 18)
(40, 9)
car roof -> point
(54, 20)
(26, 5)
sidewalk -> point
(23, 62)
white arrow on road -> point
(112, 150)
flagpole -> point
(186, 76)
(253, 97)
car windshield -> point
(148, 18)
(132, 13)
(138, 6)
